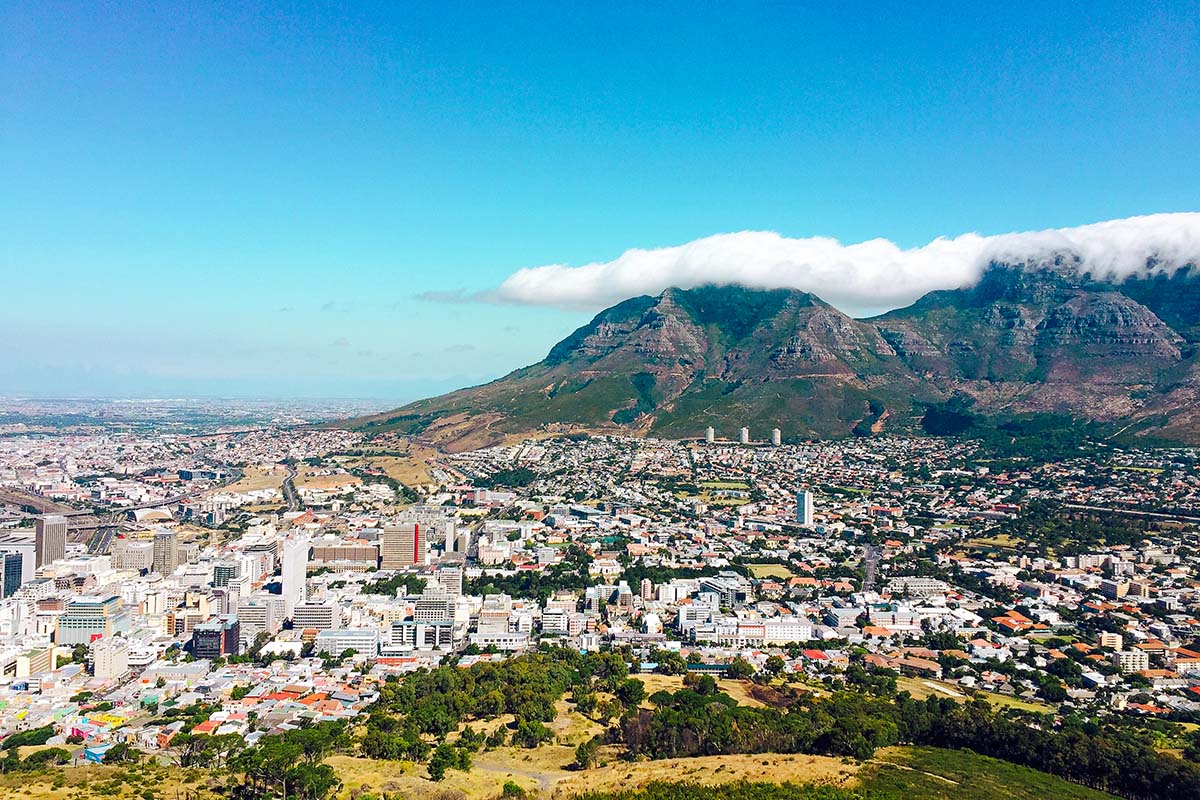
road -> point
(289, 489)
(1132, 512)
(870, 565)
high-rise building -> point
(166, 552)
(90, 617)
(463, 545)
(1127, 661)
(224, 572)
(403, 546)
(50, 539)
(10, 574)
(295, 574)
(744, 435)
(804, 509)
(132, 554)
(776, 437)
(258, 614)
(710, 434)
(110, 657)
(434, 606)
(22, 544)
(217, 639)
(316, 616)
(451, 579)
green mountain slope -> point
(1023, 340)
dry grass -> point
(411, 469)
(255, 478)
(711, 770)
(920, 689)
(309, 478)
(738, 690)
(546, 770)
(100, 781)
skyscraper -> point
(166, 552)
(21, 544)
(776, 437)
(744, 435)
(295, 574)
(10, 575)
(710, 434)
(50, 539)
(804, 509)
(403, 546)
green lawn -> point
(770, 571)
(934, 774)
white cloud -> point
(864, 278)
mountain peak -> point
(1023, 339)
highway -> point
(289, 489)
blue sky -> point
(221, 200)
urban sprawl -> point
(280, 577)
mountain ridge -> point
(1023, 340)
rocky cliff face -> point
(1024, 339)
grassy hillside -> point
(935, 774)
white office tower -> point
(710, 434)
(132, 554)
(804, 509)
(295, 574)
(258, 614)
(110, 657)
(317, 616)
(776, 437)
(744, 435)
(451, 579)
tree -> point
(121, 753)
(531, 733)
(585, 753)
(443, 758)
(740, 669)
(631, 692)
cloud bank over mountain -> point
(860, 279)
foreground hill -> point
(1023, 340)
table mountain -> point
(1025, 339)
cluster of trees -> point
(389, 586)
(289, 764)
(1033, 438)
(12, 762)
(427, 707)
(570, 573)
(703, 721)
(51, 756)
(200, 750)
(1066, 531)
(513, 477)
